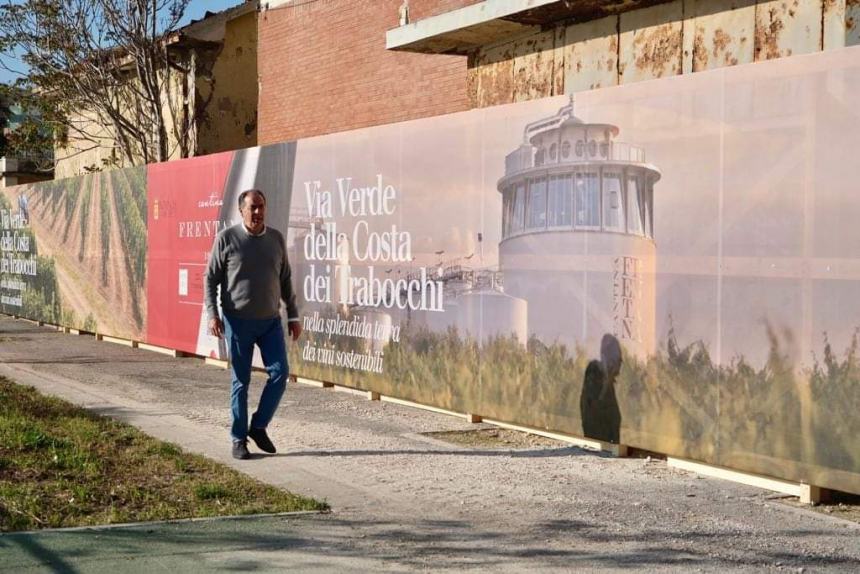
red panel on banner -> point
(184, 201)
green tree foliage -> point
(108, 58)
(31, 139)
(5, 113)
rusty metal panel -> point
(591, 55)
(495, 75)
(651, 42)
(534, 60)
(718, 33)
(833, 24)
(472, 81)
(852, 22)
(558, 61)
(787, 27)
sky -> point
(196, 10)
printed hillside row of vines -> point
(129, 188)
(96, 225)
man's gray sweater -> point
(252, 272)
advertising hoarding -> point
(669, 265)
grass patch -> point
(62, 466)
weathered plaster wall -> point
(215, 102)
(91, 145)
(230, 118)
(852, 22)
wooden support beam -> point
(473, 418)
(810, 494)
(386, 399)
(617, 450)
(314, 383)
(373, 396)
(161, 350)
(216, 362)
(807, 493)
(309, 382)
(117, 341)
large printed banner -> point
(672, 265)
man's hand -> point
(216, 327)
(295, 328)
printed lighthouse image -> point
(577, 234)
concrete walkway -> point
(401, 501)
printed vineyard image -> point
(89, 238)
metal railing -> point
(527, 157)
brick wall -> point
(324, 68)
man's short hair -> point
(248, 192)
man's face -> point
(254, 212)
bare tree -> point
(104, 71)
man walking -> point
(249, 264)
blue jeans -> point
(242, 335)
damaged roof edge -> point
(461, 31)
(206, 28)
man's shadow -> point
(598, 405)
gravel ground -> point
(414, 501)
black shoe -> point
(260, 437)
(240, 450)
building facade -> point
(525, 50)
(212, 95)
(324, 68)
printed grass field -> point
(62, 466)
(778, 418)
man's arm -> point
(212, 279)
(289, 296)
